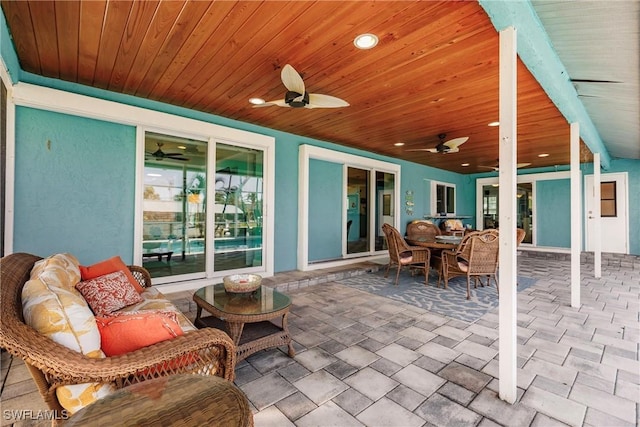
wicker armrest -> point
(208, 351)
(141, 274)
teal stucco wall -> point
(74, 186)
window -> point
(443, 198)
(608, 199)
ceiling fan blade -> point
(456, 142)
(291, 79)
(277, 102)
(430, 150)
(452, 150)
(325, 101)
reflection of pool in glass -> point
(197, 245)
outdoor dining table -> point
(434, 243)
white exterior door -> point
(614, 212)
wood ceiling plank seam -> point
(207, 26)
(117, 14)
(400, 103)
(154, 38)
(401, 81)
(67, 28)
(136, 28)
(174, 42)
(189, 80)
(387, 51)
(18, 15)
(270, 88)
(323, 71)
(256, 61)
(44, 23)
(90, 28)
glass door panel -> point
(525, 210)
(238, 208)
(174, 205)
(490, 205)
(385, 200)
(357, 210)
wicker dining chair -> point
(422, 230)
(476, 256)
(403, 255)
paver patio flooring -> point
(362, 359)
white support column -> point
(507, 216)
(597, 222)
(576, 214)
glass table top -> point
(263, 301)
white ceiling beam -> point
(537, 53)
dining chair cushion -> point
(406, 257)
(107, 266)
(109, 293)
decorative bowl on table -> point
(241, 283)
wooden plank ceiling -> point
(435, 69)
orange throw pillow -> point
(107, 266)
(124, 333)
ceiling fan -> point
(497, 169)
(298, 97)
(451, 146)
(161, 155)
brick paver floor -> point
(363, 359)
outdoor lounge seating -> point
(403, 255)
(476, 256)
(54, 366)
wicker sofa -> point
(52, 365)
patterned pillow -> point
(62, 314)
(109, 293)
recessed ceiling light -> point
(543, 155)
(366, 41)
(399, 144)
(493, 124)
(182, 147)
(464, 165)
(257, 101)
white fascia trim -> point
(29, 95)
(10, 165)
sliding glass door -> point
(181, 239)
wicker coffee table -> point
(254, 321)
